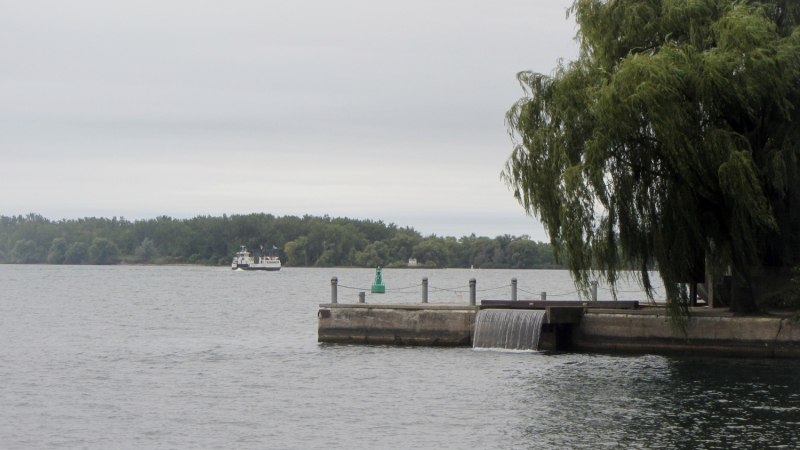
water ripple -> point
(194, 357)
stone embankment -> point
(638, 331)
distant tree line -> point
(300, 241)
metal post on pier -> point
(362, 297)
(472, 283)
(424, 289)
(544, 295)
(513, 289)
(594, 291)
(334, 290)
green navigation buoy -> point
(378, 287)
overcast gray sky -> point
(366, 109)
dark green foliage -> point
(672, 139)
(78, 253)
(58, 251)
(103, 251)
(432, 252)
(296, 252)
(147, 251)
(25, 252)
(301, 241)
(375, 254)
(402, 244)
(525, 253)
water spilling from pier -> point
(508, 329)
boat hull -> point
(269, 269)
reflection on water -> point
(655, 402)
(194, 357)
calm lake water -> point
(196, 357)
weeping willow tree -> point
(671, 141)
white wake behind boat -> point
(243, 261)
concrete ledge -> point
(659, 311)
(396, 326)
(716, 335)
(406, 306)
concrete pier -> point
(711, 332)
(634, 331)
(446, 325)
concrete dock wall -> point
(711, 332)
(436, 325)
(708, 334)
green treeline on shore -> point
(300, 241)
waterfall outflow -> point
(512, 329)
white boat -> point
(243, 261)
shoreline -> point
(284, 267)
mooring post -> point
(544, 295)
(472, 283)
(594, 291)
(513, 289)
(334, 292)
(424, 289)
(362, 297)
